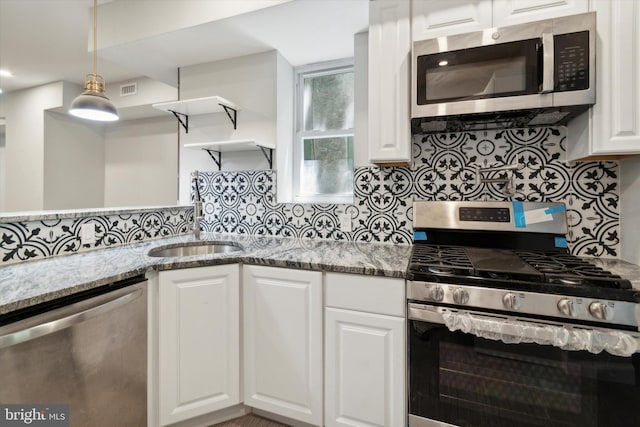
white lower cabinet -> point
(365, 351)
(198, 341)
(364, 369)
(282, 314)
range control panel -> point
(485, 214)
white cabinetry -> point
(612, 126)
(511, 12)
(436, 18)
(389, 81)
(198, 340)
(365, 352)
(282, 314)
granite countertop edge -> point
(26, 284)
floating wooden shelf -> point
(207, 105)
(216, 148)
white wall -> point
(361, 100)
(283, 156)
(630, 209)
(24, 144)
(141, 163)
(263, 86)
(251, 83)
(2, 170)
(73, 163)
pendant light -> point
(93, 104)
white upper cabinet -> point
(389, 81)
(612, 126)
(511, 12)
(436, 18)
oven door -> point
(460, 379)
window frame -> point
(299, 134)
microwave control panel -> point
(571, 61)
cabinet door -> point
(611, 127)
(199, 341)
(436, 18)
(389, 78)
(364, 369)
(282, 315)
(616, 114)
(511, 12)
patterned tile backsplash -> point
(37, 239)
(444, 168)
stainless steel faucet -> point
(197, 205)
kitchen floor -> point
(250, 420)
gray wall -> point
(73, 163)
(630, 209)
(141, 163)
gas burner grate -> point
(440, 260)
(566, 269)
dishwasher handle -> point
(65, 317)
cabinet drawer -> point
(373, 294)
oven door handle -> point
(511, 330)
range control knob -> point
(436, 293)
(599, 310)
(565, 306)
(460, 296)
(511, 301)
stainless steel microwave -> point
(534, 74)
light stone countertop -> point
(30, 283)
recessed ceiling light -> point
(5, 73)
(0, 90)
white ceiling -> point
(42, 41)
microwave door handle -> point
(548, 65)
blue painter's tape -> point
(554, 210)
(518, 215)
(561, 242)
(419, 235)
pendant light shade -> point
(93, 104)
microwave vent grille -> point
(548, 118)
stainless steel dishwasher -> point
(88, 351)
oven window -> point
(505, 69)
(473, 382)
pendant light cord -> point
(95, 37)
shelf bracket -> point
(268, 154)
(185, 122)
(216, 156)
(233, 117)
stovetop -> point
(540, 271)
(511, 258)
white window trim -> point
(314, 70)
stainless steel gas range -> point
(506, 328)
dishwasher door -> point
(91, 355)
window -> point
(323, 144)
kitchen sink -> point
(194, 248)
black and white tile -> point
(37, 239)
(445, 167)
